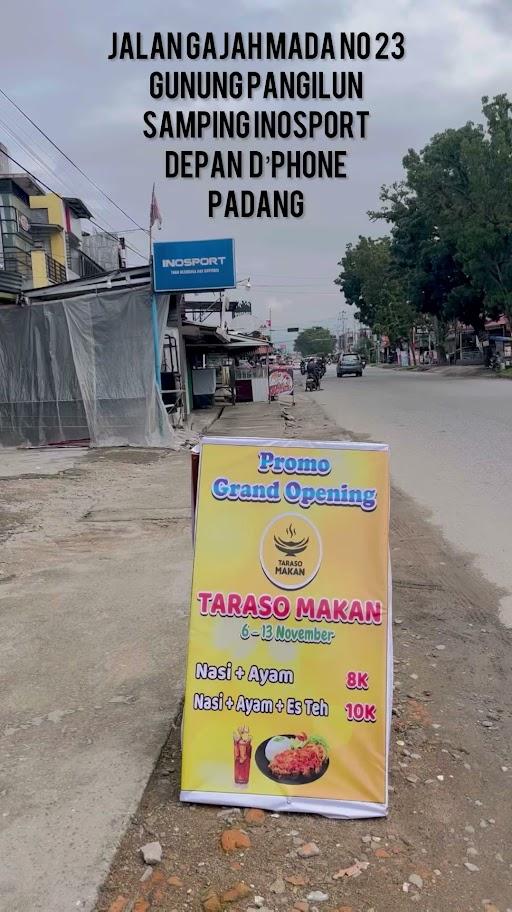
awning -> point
(78, 207)
(203, 338)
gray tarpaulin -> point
(82, 368)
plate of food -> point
(293, 759)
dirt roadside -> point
(446, 844)
(86, 681)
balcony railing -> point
(55, 271)
(83, 265)
(89, 269)
(16, 261)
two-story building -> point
(41, 237)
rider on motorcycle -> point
(313, 372)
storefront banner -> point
(289, 677)
(194, 265)
(280, 380)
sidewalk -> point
(94, 589)
(446, 843)
(95, 567)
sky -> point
(54, 65)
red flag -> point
(154, 212)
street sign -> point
(289, 680)
(280, 381)
(293, 329)
(194, 265)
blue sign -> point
(194, 265)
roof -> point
(118, 278)
(502, 321)
(78, 207)
(26, 182)
(215, 340)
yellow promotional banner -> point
(289, 676)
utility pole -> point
(342, 337)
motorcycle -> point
(312, 383)
(495, 362)
(303, 367)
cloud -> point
(453, 43)
(457, 51)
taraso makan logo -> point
(290, 551)
(291, 547)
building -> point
(16, 242)
(77, 363)
(130, 366)
(59, 240)
(41, 238)
(106, 250)
(466, 346)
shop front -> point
(224, 366)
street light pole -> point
(343, 318)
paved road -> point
(451, 446)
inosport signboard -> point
(194, 265)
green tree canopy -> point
(372, 282)
(449, 253)
(315, 341)
(451, 219)
(363, 271)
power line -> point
(70, 160)
(26, 146)
(35, 154)
(47, 187)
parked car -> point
(349, 364)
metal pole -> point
(156, 341)
(151, 223)
(224, 300)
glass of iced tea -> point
(242, 748)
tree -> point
(426, 260)
(449, 254)
(451, 219)
(484, 237)
(315, 341)
(363, 272)
(371, 281)
(364, 347)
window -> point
(9, 219)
